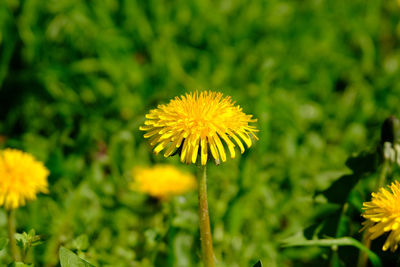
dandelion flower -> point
(21, 178)
(196, 124)
(162, 181)
(382, 216)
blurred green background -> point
(77, 78)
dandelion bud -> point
(390, 131)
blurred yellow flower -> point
(382, 215)
(162, 181)
(196, 123)
(21, 178)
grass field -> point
(78, 77)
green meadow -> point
(78, 77)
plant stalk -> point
(11, 231)
(383, 174)
(204, 220)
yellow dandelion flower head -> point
(21, 178)
(162, 181)
(196, 124)
(382, 215)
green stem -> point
(11, 231)
(363, 257)
(204, 220)
(383, 174)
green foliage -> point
(77, 78)
(334, 243)
(340, 199)
(69, 259)
(3, 243)
(80, 243)
(20, 264)
(360, 166)
(26, 241)
(258, 264)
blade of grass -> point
(343, 241)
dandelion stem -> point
(11, 231)
(205, 231)
(383, 173)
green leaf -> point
(27, 240)
(258, 264)
(344, 241)
(70, 259)
(81, 242)
(361, 165)
(364, 163)
(3, 242)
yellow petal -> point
(195, 151)
(161, 146)
(146, 127)
(184, 150)
(173, 146)
(150, 134)
(220, 147)
(245, 137)
(213, 148)
(237, 140)
(203, 147)
(231, 146)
